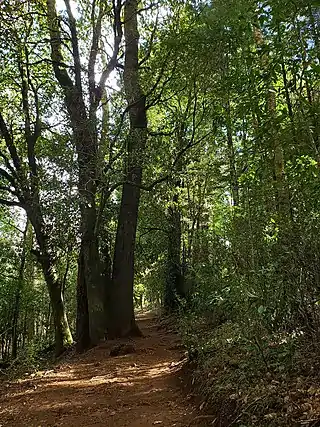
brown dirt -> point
(94, 389)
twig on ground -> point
(202, 417)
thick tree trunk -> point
(90, 289)
(63, 337)
(121, 320)
(89, 274)
(121, 310)
(82, 325)
(26, 182)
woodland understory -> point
(165, 154)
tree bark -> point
(82, 321)
(121, 320)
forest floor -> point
(144, 388)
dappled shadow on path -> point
(94, 389)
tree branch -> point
(75, 46)
(96, 35)
(164, 178)
(10, 144)
(7, 176)
(55, 41)
(30, 136)
(9, 190)
(10, 203)
(147, 56)
(118, 32)
(8, 165)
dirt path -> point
(94, 389)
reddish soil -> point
(139, 389)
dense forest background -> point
(161, 154)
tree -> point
(90, 317)
(121, 312)
(21, 173)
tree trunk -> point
(121, 320)
(282, 194)
(234, 184)
(89, 262)
(63, 337)
(121, 310)
(174, 285)
(82, 323)
(16, 311)
(90, 292)
(85, 137)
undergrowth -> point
(29, 360)
(251, 378)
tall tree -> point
(83, 119)
(21, 175)
(121, 311)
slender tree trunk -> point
(121, 309)
(174, 285)
(281, 189)
(234, 184)
(315, 27)
(16, 311)
(63, 337)
(106, 273)
(282, 194)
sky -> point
(61, 6)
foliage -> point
(228, 230)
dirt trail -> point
(94, 389)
